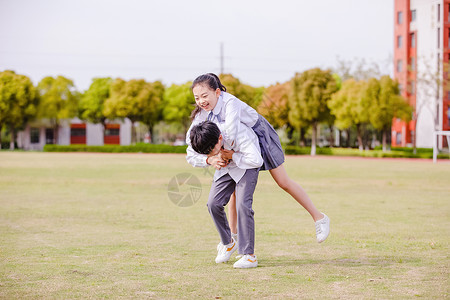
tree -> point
(360, 69)
(351, 108)
(250, 95)
(387, 104)
(58, 101)
(178, 104)
(310, 93)
(18, 102)
(137, 100)
(275, 106)
(92, 102)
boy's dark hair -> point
(204, 137)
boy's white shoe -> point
(246, 261)
(233, 235)
(322, 228)
(224, 252)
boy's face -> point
(217, 147)
(205, 97)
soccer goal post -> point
(435, 142)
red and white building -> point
(421, 57)
(71, 132)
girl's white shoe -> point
(322, 228)
(246, 261)
(224, 252)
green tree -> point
(275, 106)
(18, 102)
(178, 104)
(351, 108)
(137, 100)
(387, 104)
(310, 93)
(250, 95)
(58, 101)
(92, 102)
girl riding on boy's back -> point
(215, 104)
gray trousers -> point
(219, 196)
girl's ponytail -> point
(220, 86)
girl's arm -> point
(248, 156)
(234, 115)
(193, 158)
(232, 120)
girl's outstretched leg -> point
(298, 193)
(232, 214)
(295, 190)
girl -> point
(212, 101)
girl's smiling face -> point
(205, 97)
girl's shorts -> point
(271, 150)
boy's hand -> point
(217, 162)
(226, 154)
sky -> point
(264, 42)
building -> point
(37, 134)
(421, 57)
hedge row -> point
(292, 150)
(138, 148)
(394, 153)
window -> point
(34, 135)
(439, 38)
(448, 115)
(413, 40)
(77, 131)
(413, 15)
(439, 12)
(448, 95)
(112, 131)
(399, 65)
(398, 138)
(413, 63)
(449, 39)
(448, 13)
(49, 136)
(400, 88)
(399, 17)
(399, 41)
(412, 87)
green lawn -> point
(79, 225)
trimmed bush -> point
(138, 148)
(289, 150)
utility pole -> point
(221, 58)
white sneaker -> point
(322, 228)
(246, 261)
(220, 245)
(224, 252)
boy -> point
(239, 174)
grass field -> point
(78, 225)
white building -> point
(421, 57)
(37, 134)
